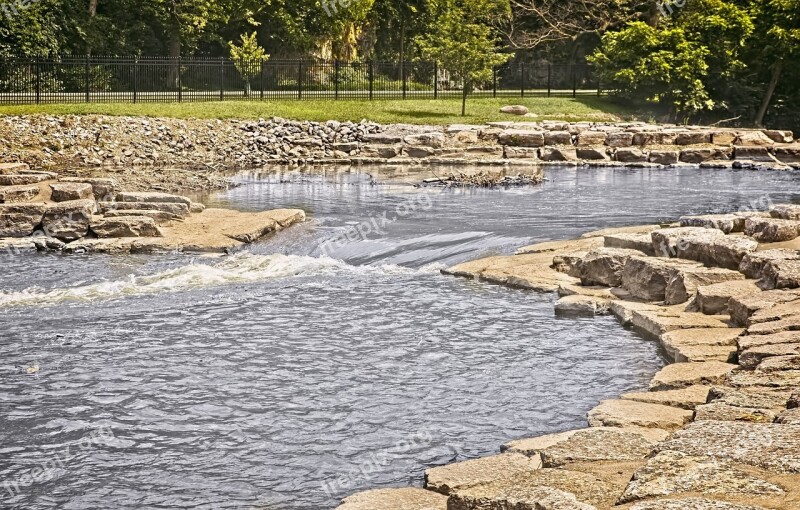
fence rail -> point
(96, 79)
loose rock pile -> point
(717, 430)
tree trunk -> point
(92, 8)
(174, 53)
(402, 45)
(777, 69)
(464, 100)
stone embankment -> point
(719, 429)
(40, 212)
(132, 147)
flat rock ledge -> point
(718, 429)
(91, 216)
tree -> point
(245, 56)
(462, 42)
(645, 64)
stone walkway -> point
(719, 429)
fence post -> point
(263, 70)
(522, 79)
(404, 79)
(135, 78)
(574, 82)
(86, 76)
(436, 79)
(336, 79)
(494, 81)
(221, 78)
(38, 79)
(371, 78)
(180, 82)
(549, 79)
(300, 79)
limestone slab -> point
(752, 397)
(603, 266)
(103, 188)
(775, 313)
(720, 411)
(716, 251)
(665, 241)
(445, 479)
(151, 196)
(13, 194)
(785, 362)
(630, 413)
(406, 498)
(647, 277)
(781, 274)
(753, 264)
(639, 242)
(124, 226)
(685, 398)
(661, 320)
(727, 223)
(66, 191)
(771, 230)
(784, 337)
(68, 221)
(714, 299)
(20, 220)
(741, 308)
(685, 283)
(178, 209)
(692, 504)
(681, 375)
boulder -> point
(418, 152)
(768, 446)
(785, 212)
(603, 266)
(770, 230)
(647, 277)
(68, 221)
(445, 479)
(781, 274)
(540, 489)
(67, 191)
(629, 413)
(12, 194)
(692, 504)
(714, 299)
(521, 138)
(125, 226)
(630, 155)
(779, 136)
(639, 242)
(515, 109)
(20, 220)
(727, 223)
(152, 197)
(684, 284)
(684, 398)
(715, 250)
(754, 139)
(381, 151)
(682, 375)
(22, 179)
(567, 263)
(594, 444)
(665, 240)
(753, 263)
(664, 157)
(406, 498)
(669, 473)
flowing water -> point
(331, 358)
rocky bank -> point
(719, 429)
(138, 150)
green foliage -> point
(646, 64)
(247, 55)
(462, 41)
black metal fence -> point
(96, 79)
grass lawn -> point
(412, 111)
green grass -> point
(412, 111)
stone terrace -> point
(719, 429)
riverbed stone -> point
(405, 498)
(445, 479)
(753, 264)
(684, 398)
(682, 375)
(22, 179)
(665, 241)
(589, 445)
(545, 489)
(66, 191)
(630, 413)
(727, 223)
(781, 274)
(125, 226)
(603, 266)
(13, 194)
(152, 197)
(181, 210)
(771, 230)
(714, 299)
(70, 220)
(692, 504)
(514, 109)
(647, 277)
(715, 250)
(684, 284)
(785, 211)
(521, 138)
(773, 447)
(639, 242)
(671, 472)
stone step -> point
(13, 168)
(750, 341)
(771, 230)
(639, 242)
(686, 284)
(446, 479)
(102, 188)
(692, 504)
(160, 217)
(20, 220)
(718, 411)
(684, 398)
(715, 299)
(152, 197)
(743, 307)
(771, 398)
(752, 357)
(701, 344)
(603, 266)
(682, 375)
(753, 264)
(781, 274)
(715, 251)
(66, 191)
(124, 226)
(647, 278)
(181, 210)
(665, 241)
(656, 322)
(68, 221)
(22, 179)
(407, 498)
(630, 413)
(727, 223)
(15, 194)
